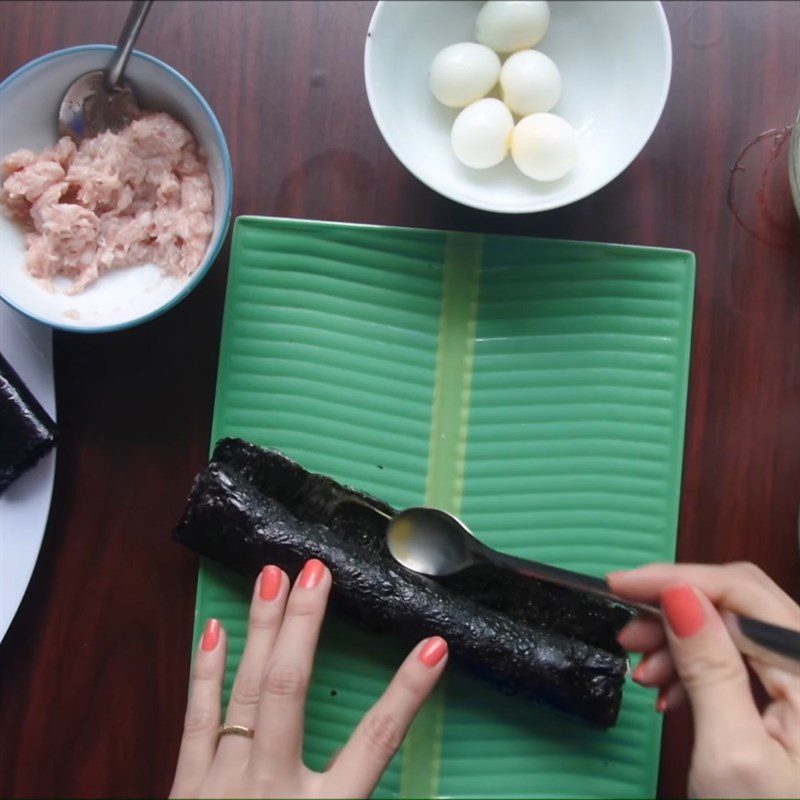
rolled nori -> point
(26, 430)
(251, 506)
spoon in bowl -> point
(99, 100)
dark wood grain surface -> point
(93, 670)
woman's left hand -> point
(269, 696)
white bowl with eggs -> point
(121, 298)
(614, 62)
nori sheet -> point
(252, 506)
(26, 430)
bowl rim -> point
(666, 40)
(214, 246)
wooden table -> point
(93, 670)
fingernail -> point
(270, 583)
(638, 673)
(683, 610)
(433, 651)
(312, 574)
(661, 704)
(210, 635)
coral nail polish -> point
(312, 574)
(638, 673)
(270, 583)
(661, 704)
(210, 635)
(683, 610)
(433, 651)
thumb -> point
(710, 667)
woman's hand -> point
(738, 752)
(269, 696)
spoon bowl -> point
(89, 107)
(99, 101)
(430, 541)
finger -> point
(711, 669)
(642, 635)
(278, 741)
(266, 615)
(199, 742)
(375, 741)
(740, 587)
(333, 759)
(656, 669)
(671, 697)
(780, 722)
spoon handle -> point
(769, 643)
(562, 577)
(127, 39)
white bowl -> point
(29, 101)
(615, 60)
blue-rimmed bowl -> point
(29, 101)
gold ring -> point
(235, 730)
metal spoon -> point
(99, 101)
(435, 543)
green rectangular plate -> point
(535, 387)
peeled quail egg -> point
(530, 82)
(463, 73)
(510, 25)
(481, 134)
(544, 146)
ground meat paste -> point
(139, 196)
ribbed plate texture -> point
(557, 369)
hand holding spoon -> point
(435, 543)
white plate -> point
(25, 504)
(615, 60)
